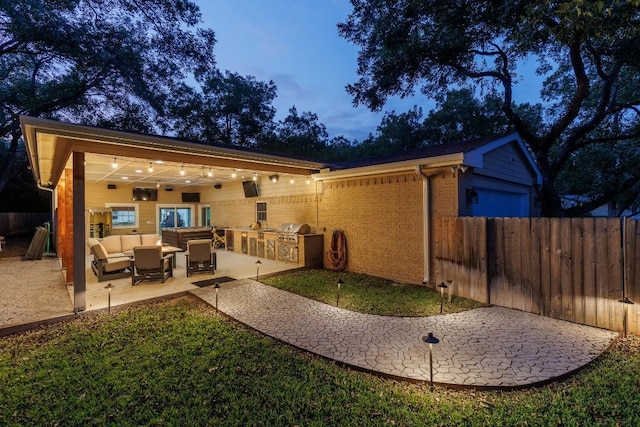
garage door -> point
(497, 203)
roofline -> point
(403, 166)
(473, 158)
(108, 141)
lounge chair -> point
(149, 264)
(200, 256)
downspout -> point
(426, 223)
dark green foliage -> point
(587, 51)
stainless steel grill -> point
(287, 235)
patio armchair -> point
(149, 264)
(200, 256)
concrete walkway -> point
(485, 347)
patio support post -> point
(79, 257)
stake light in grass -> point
(216, 286)
(442, 287)
(109, 287)
(430, 340)
(340, 283)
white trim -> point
(136, 208)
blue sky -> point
(296, 44)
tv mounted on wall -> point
(250, 189)
(191, 197)
(145, 194)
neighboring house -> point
(385, 207)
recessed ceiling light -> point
(188, 181)
(125, 177)
(158, 162)
(138, 170)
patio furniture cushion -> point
(200, 256)
(112, 244)
(149, 264)
(150, 239)
(129, 241)
(117, 263)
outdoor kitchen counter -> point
(264, 243)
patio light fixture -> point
(255, 176)
(442, 287)
(291, 181)
(234, 174)
(209, 174)
(627, 302)
(115, 162)
(109, 287)
(431, 340)
(258, 262)
(274, 178)
(216, 286)
(150, 167)
(340, 283)
(182, 172)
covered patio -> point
(35, 292)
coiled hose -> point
(338, 251)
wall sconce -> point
(274, 178)
(472, 197)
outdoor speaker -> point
(111, 186)
(217, 186)
(168, 189)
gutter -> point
(426, 223)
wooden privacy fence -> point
(574, 269)
(21, 222)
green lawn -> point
(179, 363)
(367, 294)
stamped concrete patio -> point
(486, 347)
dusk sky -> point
(296, 44)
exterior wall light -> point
(274, 178)
(472, 197)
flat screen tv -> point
(191, 197)
(250, 188)
(145, 194)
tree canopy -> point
(111, 63)
(587, 51)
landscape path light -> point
(216, 286)
(109, 287)
(258, 262)
(431, 340)
(442, 287)
(340, 283)
(627, 302)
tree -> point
(229, 109)
(298, 134)
(395, 133)
(588, 51)
(97, 62)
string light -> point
(115, 162)
(182, 172)
(209, 174)
(150, 167)
(234, 174)
(308, 181)
(255, 176)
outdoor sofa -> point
(112, 255)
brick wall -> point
(382, 220)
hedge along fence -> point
(574, 269)
(21, 222)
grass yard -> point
(179, 363)
(367, 294)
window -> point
(123, 216)
(205, 215)
(261, 211)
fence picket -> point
(569, 269)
